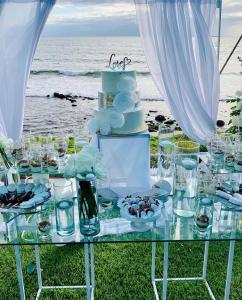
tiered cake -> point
(119, 110)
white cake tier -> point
(134, 122)
(111, 78)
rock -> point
(70, 99)
(47, 96)
(148, 115)
(220, 123)
(153, 111)
(169, 122)
(58, 95)
(160, 118)
(178, 128)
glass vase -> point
(88, 206)
(64, 207)
(186, 167)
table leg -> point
(165, 271)
(87, 271)
(19, 272)
(38, 268)
(229, 270)
(153, 262)
(205, 260)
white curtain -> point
(21, 23)
(176, 36)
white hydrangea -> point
(85, 162)
(126, 84)
(125, 101)
(5, 142)
(105, 121)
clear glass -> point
(186, 167)
(204, 216)
(229, 149)
(226, 221)
(44, 224)
(64, 207)
(216, 148)
(61, 147)
(88, 207)
(21, 158)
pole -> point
(231, 53)
(219, 26)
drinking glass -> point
(207, 185)
(204, 215)
(238, 161)
(36, 161)
(216, 148)
(61, 148)
(44, 224)
(186, 167)
(21, 157)
(64, 207)
(229, 149)
(226, 220)
(52, 161)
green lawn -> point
(122, 271)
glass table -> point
(170, 227)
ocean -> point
(73, 65)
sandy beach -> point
(58, 116)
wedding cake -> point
(119, 110)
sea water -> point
(65, 217)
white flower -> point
(124, 101)
(126, 84)
(87, 161)
(5, 142)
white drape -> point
(176, 36)
(21, 23)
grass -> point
(122, 271)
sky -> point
(117, 18)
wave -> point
(94, 74)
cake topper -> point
(117, 65)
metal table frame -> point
(89, 273)
(203, 277)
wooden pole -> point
(231, 53)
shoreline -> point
(48, 115)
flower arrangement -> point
(5, 145)
(86, 167)
(85, 162)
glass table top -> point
(173, 225)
